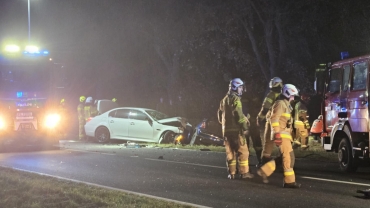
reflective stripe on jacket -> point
(268, 102)
(233, 119)
(281, 120)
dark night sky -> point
(113, 43)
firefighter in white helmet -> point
(90, 109)
(281, 125)
(263, 121)
(234, 129)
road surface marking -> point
(336, 181)
(211, 166)
(103, 153)
(112, 188)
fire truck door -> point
(358, 98)
(332, 98)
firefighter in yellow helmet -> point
(263, 121)
(234, 128)
(81, 118)
(281, 124)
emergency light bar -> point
(29, 50)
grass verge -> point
(29, 190)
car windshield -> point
(156, 114)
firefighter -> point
(251, 109)
(281, 126)
(62, 111)
(263, 119)
(89, 109)
(234, 128)
(301, 124)
(81, 118)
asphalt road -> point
(197, 177)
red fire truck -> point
(344, 124)
(30, 91)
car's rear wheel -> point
(102, 135)
(168, 137)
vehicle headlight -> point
(52, 120)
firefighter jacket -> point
(90, 111)
(268, 102)
(300, 115)
(81, 111)
(232, 118)
(281, 120)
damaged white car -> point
(135, 124)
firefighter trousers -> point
(81, 128)
(287, 153)
(267, 144)
(301, 134)
(236, 149)
(256, 139)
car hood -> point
(181, 120)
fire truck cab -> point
(343, 125)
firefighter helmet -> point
(289, 90)
(275, 82)
(114, 99)
(82, 99)
(235, 83)
(89, 100)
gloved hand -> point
(277, 139)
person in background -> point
(301, 124)
(234, 129)
(62, 111)
(81, 118)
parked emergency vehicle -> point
(30, 91)
(344, 123)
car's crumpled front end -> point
(184, 127)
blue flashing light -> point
(344, 55)
(19, 94)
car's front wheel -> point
(168, 137)
(102, 135)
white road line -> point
(115, 189)
(102, 153)
(336, 181)
(211, 166)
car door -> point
(118, 123)
(140, 128)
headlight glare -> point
(52, 120)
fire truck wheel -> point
(102, 135)
(346, 162)
(168, 137)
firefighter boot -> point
(246, 175)
(292, 185)
(263, 175)
(231, 176)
